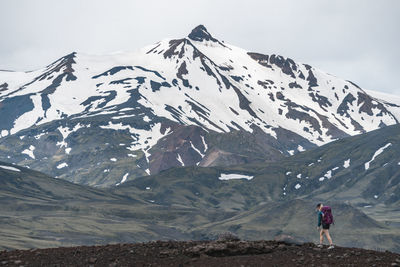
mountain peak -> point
(200, 33)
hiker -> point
(325, 219)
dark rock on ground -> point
(200, 253)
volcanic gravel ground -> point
(200, 253)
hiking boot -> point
(331, 247)
(320, 246)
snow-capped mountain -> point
(179, 102)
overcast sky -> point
(356, 40)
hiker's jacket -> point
(320, 214)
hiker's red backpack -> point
(327, 218)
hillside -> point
(363, 170)
(40, 212)
(191, 101)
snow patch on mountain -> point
(123, 180)
(234, 176)
(62, 165)
(328, 174)
(346, 163)
(377, 153)
(142, 139)
(3, 133)
(180, 160)
(197, 150)
(204, 143)
(65, 132)
(10, 168)
(38, 136)
(300, 148)
(29, 151)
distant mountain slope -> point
(363, 170)
(37, 211)
(360, 169)
(179, 102)
(18, 184)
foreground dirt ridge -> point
(200, 253)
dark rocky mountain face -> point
(200, 34)
(104, 120)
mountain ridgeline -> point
(194, 101)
